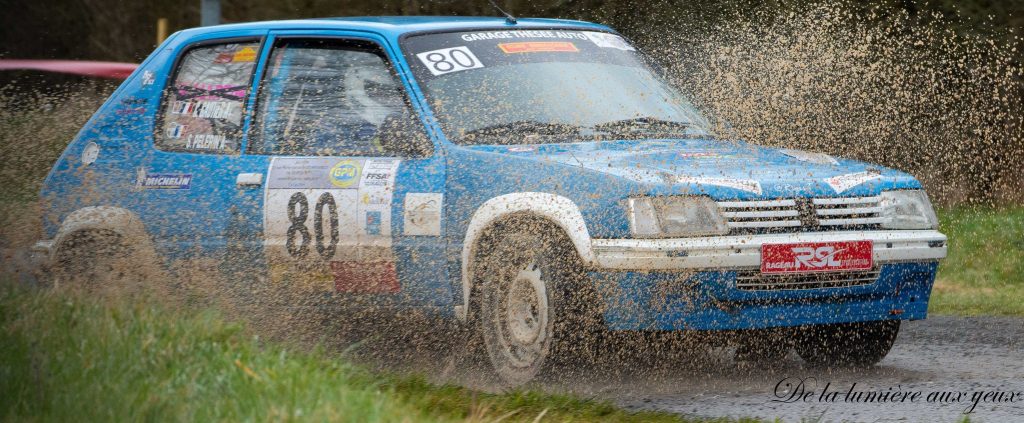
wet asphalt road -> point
(940, 354)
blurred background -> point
(121, 30)
(932, 88)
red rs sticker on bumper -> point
(816, 257)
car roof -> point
(396, 26)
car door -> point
(347, 213)
(185, 187)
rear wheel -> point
(101, 262)
(850, 344)
(527, 312)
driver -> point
(368, 95)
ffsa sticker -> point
(448, 60)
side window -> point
(327, 98)
(203, 106)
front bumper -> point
(744, 251)
(691, 284)
(709, 300)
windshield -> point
(525, 86)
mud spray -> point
(878, 85)
(886, 87)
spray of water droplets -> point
(907, 92)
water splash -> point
(877, 85)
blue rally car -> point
(534, 179)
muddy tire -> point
(101, 263)
(847, 345)
(528, 303)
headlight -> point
(907, 210)
(675, 216)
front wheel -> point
(850, 344)
(524, 311)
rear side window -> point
(203, 106)
(326, 97)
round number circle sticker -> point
(345, 173)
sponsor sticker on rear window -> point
(538, 47)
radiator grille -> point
(760, 215)
(801, 215)
(848, 212)
(753, 280)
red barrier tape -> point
(112, 70)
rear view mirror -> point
(403, 135)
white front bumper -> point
(744, 251)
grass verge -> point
(984, 272)
(64, 357)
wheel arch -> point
(558, 210)
(122, 222)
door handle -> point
(245, 180)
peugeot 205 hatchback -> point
(533, 179)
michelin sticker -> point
(843, 183)
(168, 181)
(422, 214)
(748, 185)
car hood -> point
(722, 169)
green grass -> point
(984, 271)
(65, 358)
